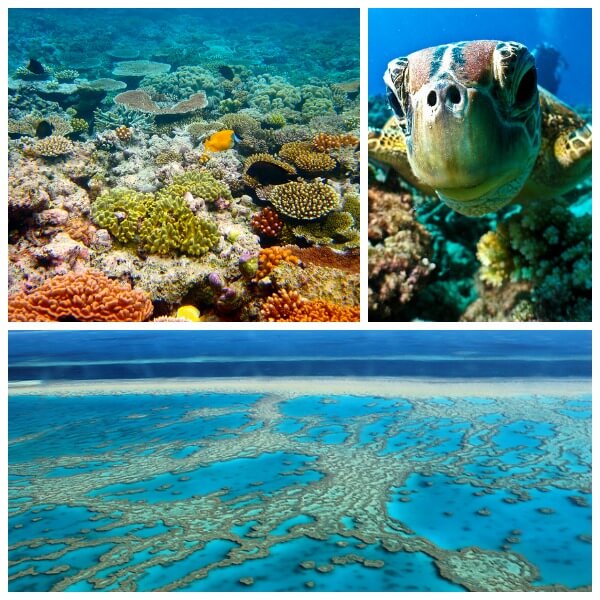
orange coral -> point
(269, 258)
(289, 306)
(267, 223)
(328, 141)
(86, 296)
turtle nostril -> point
(453, 95)
(432, 98)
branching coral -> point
(304, 201)
(267, 223)
(269, 258)
(306, 159)
(289, 306)
(87, 296)
(338, 230)
(52, 147)
(324, 142)
(494, 254)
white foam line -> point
(328, 386)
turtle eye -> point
(394, 103)
(527, 86)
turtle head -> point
(471, 116)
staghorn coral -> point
(53, 146)
(86, 296)
(304, 201)
(323, 142)
(264, 169)
(122, 115)
(289, 306)
(269, 258)
(67, 75)
(267, 223)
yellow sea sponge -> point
(189, 313)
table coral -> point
(304, 201)
(139, 68)
(86, 296)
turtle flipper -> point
(388, 146)
(574, 146)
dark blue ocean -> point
(278, 39)
(398, 32)
(284, 483)
(133, 354)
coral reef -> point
(169, 162)
(289, 306)
(304, 201)
(86, 296)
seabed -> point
(289, 484)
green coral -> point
(162, 224)
(549, 247)
(167, 156)
(121, 115)
(201, 184)
(171, 227)
(275, 120)
(79, 125)
(121, 211)
(304, 201)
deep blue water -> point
(132, 354)
(281, 40)
(398, 32)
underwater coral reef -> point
(528, 261)
(184, 164)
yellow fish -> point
(222, 140)
(188, 312)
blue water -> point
(398, 32)
(83, 355)
(284, 492)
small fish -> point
(226, 72)
(44, 129)
(221, 140)
(36, 67)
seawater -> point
(283, 492)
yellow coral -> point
(304, 201)
(493, 252)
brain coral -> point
(304, 201)
(87, 296)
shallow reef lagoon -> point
(198, 164)
(299, 483)
(529, 262)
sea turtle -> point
(472, 125)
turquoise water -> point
(228, 492)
